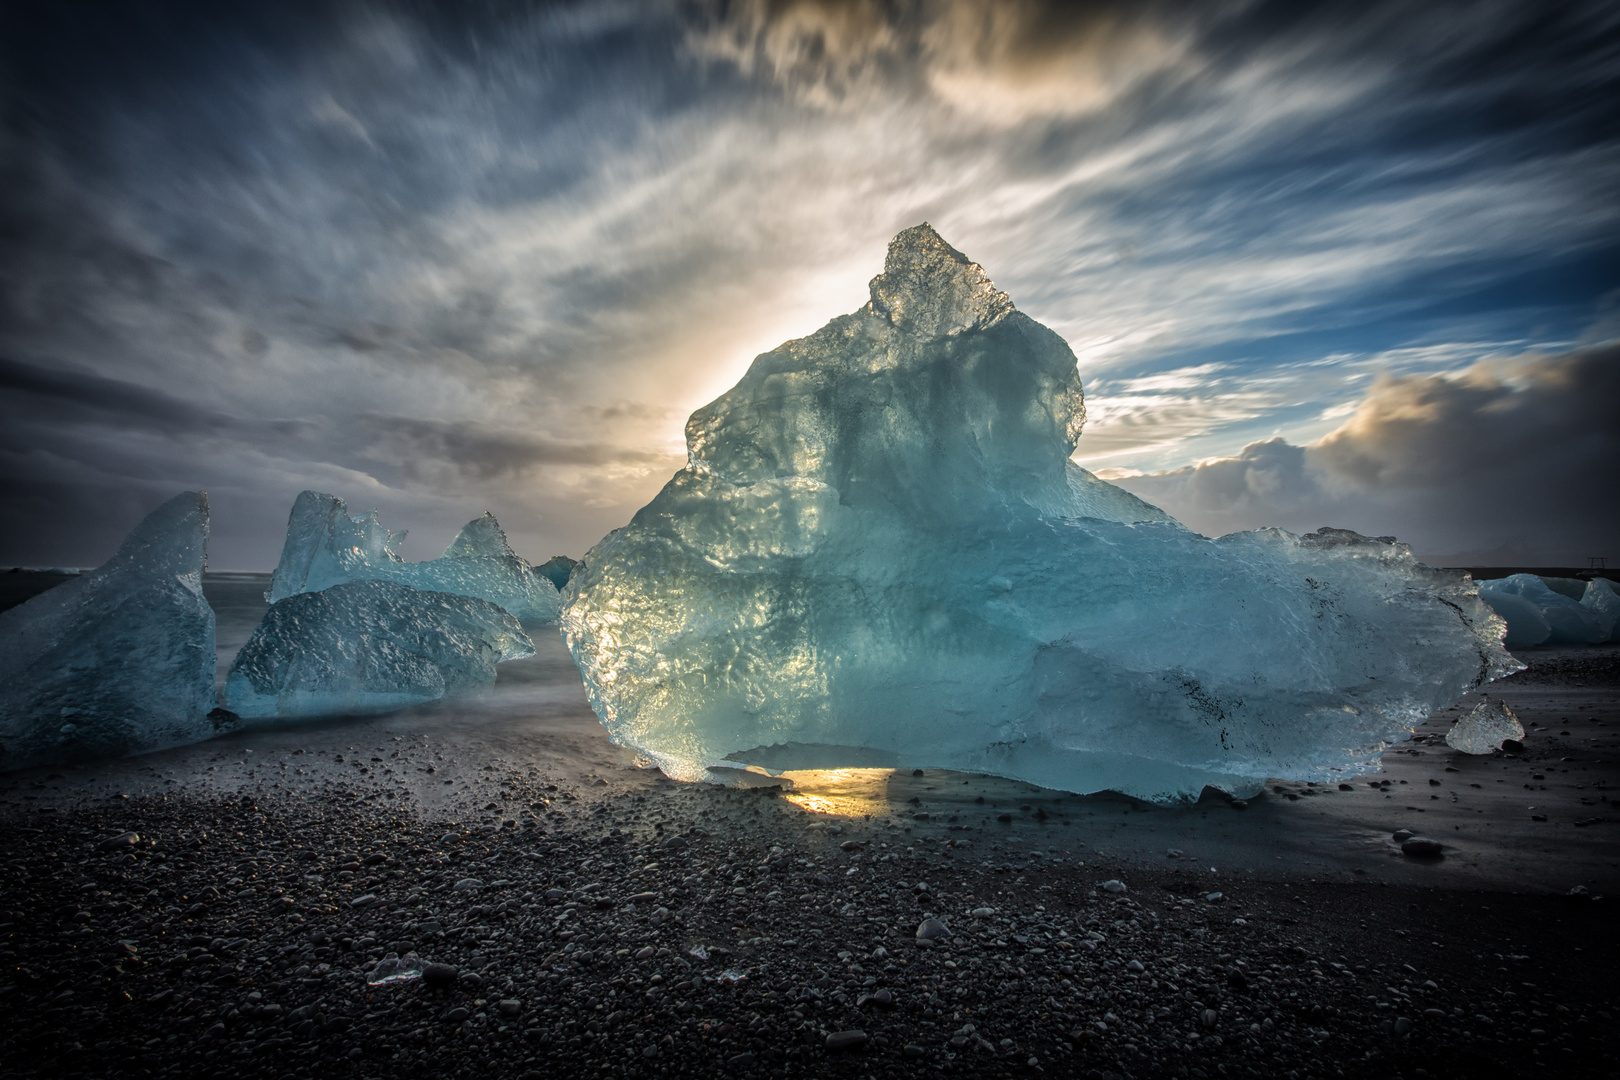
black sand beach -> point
(218, 909)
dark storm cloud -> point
(63, 396)
(437, 450)
(1506, 461)
(443, 258)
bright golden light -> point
(844, 792)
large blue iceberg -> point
(369, 647)
(880, 554)
(118, 660)
(326, 545)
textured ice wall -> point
(879, 553)
(369, 647)
(327, 546)
(117, 660)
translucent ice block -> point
(369, 647)
(879, 554)
(1483, 730)
(116, 660)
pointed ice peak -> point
(171, 540)
(929, 288)
(479, 537)
(321, 533)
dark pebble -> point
(1421, 847)
(846, 1040)
(440, 976)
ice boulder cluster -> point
(327, 546)
(880, 554)
(369, 647)
(119, 659)
(1549, 611)
(353, 629)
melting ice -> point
(326, 546)
(117, 660)
(879, 553)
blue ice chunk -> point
(1529, 605)
(117, 660)
(369, 647)
(327, 546)
(880, 550)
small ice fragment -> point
(327, 546)
(369, 647)
(118, 660)
(733, 976)
(698, 952)
(394, 969)
(1482, 731)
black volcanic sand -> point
(594, 919)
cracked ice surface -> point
(118, 660)
(369, 647)
(879, 554)
(327, 546)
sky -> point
(1350, 264)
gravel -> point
(225, 939)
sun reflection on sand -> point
(845, 792)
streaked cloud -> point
(450, 259)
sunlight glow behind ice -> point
(879, 555)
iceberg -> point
(1483, 730)
(369, 647)
(1538, 614)
(327, 546)
(119, 659)
(880, 554)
